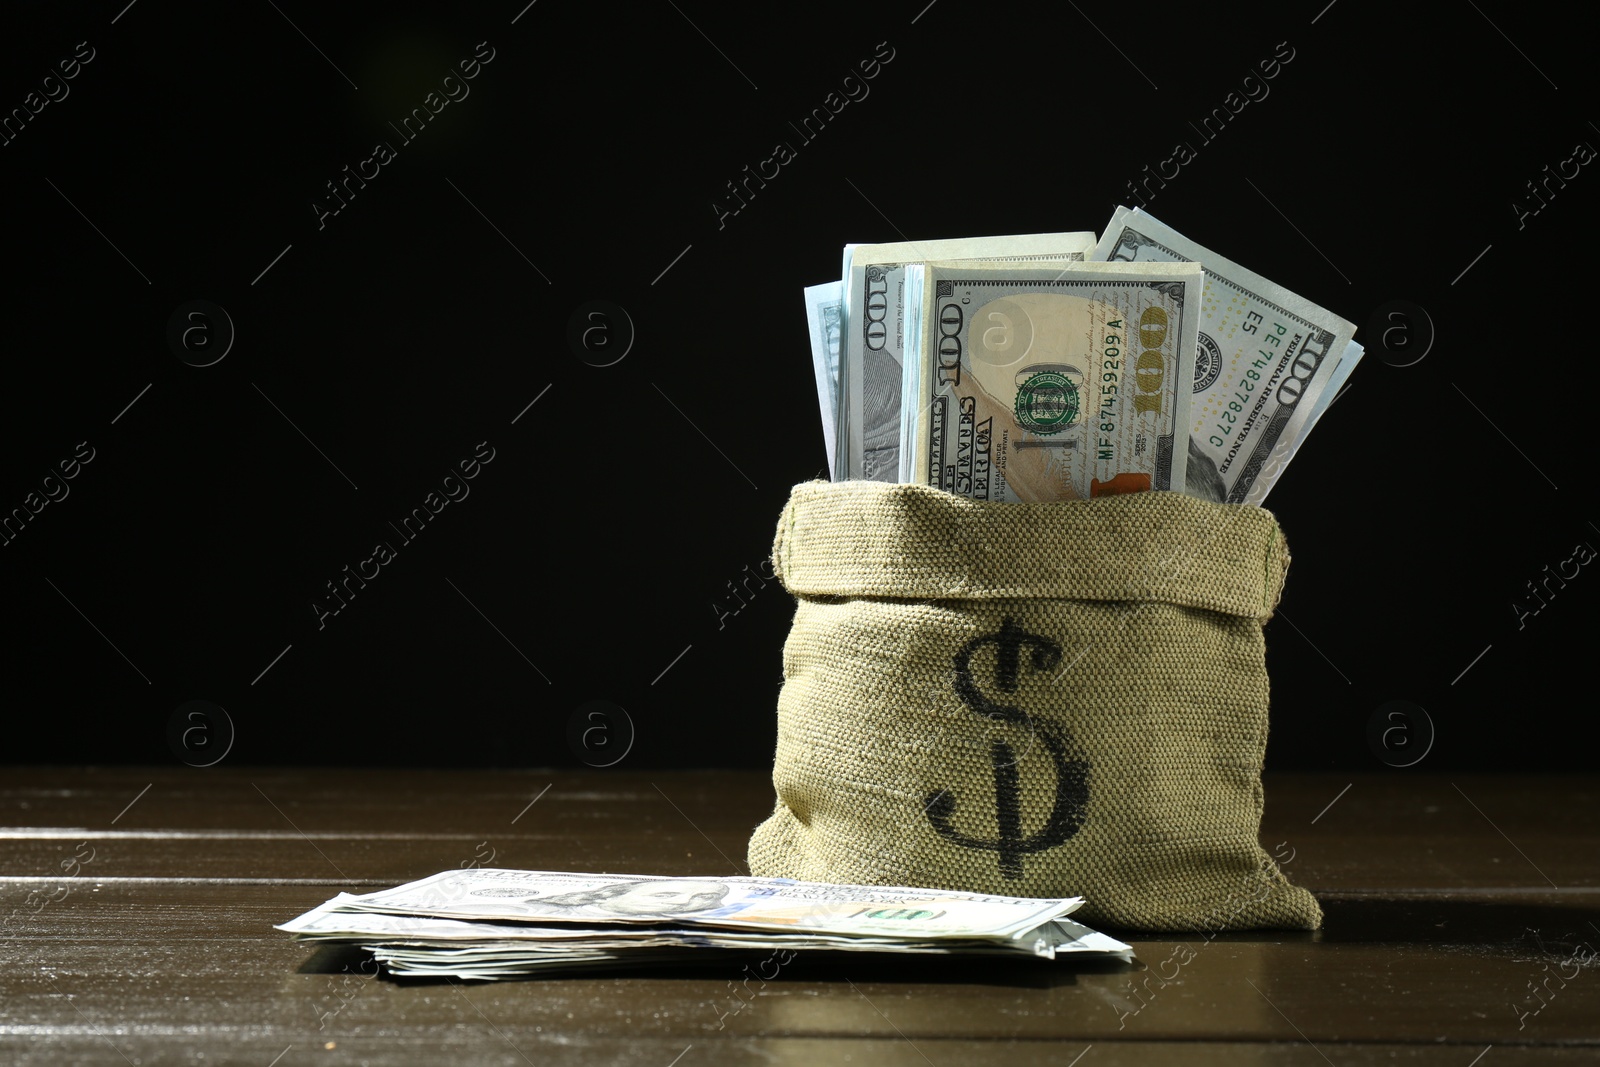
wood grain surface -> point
(137, 907)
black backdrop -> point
(376, 347)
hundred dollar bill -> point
(1032, 385)
(1280, 457)
(824, 320)
(1264, 358)
(494, 961)
(546, 921)
(1336, 383)
(491, 959)
(873, 353)
(332, 922)
(732, 902)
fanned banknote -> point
(874, 316)
(824, 321)
(1341, 376)
(1264, 359)
(493, 923)
(1032, 385)
(1282, 457)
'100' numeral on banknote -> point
(1264, 358)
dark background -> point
(588, 562)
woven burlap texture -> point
(1032, 700)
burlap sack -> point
(1031, 700)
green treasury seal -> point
(1047, 403)
(1207, 363)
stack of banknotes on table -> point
(1059, 367)
(486, 923)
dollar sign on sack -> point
(1072, 775)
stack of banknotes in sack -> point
(488, 923)
(1059, 367)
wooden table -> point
(138, 903)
